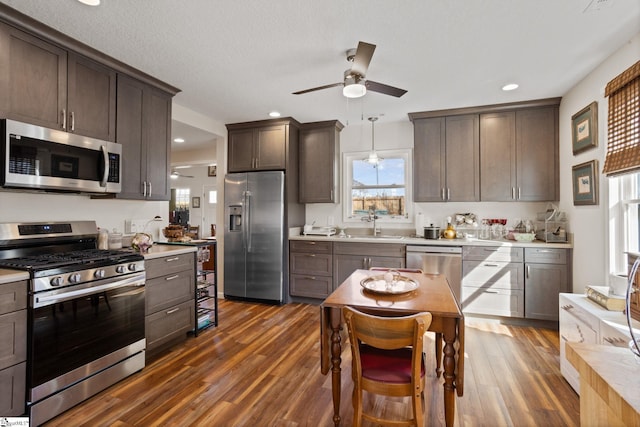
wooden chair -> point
(387, 360)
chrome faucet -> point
(372, 218)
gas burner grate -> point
(52, 260)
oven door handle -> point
(44, 300)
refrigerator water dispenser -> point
(235, 218)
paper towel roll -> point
(419, 225)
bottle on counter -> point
(103, 238)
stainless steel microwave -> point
(49, 159)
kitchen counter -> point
(440, 242)
(8, 276)
(159, 250)
(608, 384)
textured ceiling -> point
(237, 60)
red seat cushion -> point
(388, 366)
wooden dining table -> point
(432, 295)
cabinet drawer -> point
(171, 264)
(13, 336)
(311, 246)
(310, 286)
(545, 255)
(170, 324)
(495, 274)
(13, 296)
(12, 390)
(167, 291)
(370, 249)
(311, 264)
(492, 253)
(495, 302)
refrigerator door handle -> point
(247, 222)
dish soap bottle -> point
(449, 232)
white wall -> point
(20, 207)
(589, 223)
(196, 185)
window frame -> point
(624, 220)
(347, 174)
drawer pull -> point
(173, 310)
(310, 243)
(310, 255)
(490, 292)
(310, 278)
(491, 265)
(172, 259)
(171, 277)
(491, 250)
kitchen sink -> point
(387, 236)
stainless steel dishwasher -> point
(434, 259)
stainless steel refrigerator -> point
(254, 236)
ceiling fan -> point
(175, 174)
(355, 84)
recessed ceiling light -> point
(90, 2)
(510, 86)
(179, 140)
(274, 114)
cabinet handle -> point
(513, 192)
(528, 271)
(144, 189)
(172, 277)
(310, 278)
(491, 265)
(310, 243)
(448, 194)
(310, 255)
(173, 310)
(518, 193)
(442, 194)
(64, 118)
(172, 259)
(491, 250)
(369, 263)
(73, 122)
(490, 292)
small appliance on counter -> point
(311, 230)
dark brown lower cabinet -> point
(13, 348)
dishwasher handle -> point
(434, 249)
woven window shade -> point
(623, 123)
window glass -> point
(381, 188)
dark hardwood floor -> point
(261, 367)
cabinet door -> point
(13, 336)
(129, 134)
(537, 154)
(270, 147)
(318, 163)
(429, 178)
(344, 265)
(12, 390)
(91, 100)
(34, 79)
(157, 143)
(462, 158)
(497, 157)
(241, 150)
(543, 284)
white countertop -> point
(160, 250)
(438, 242)
(8, 276)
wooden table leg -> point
(449, 335)
(438, 354)
(336, 371)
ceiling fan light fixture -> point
(354, 90)
(373, 158)
(90, 2)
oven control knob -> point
(56, 281)
(132, 267)
(99, 274)
(120, 269)
(75, 278)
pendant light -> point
(373, 156)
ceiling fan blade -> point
(386, 89)
(363, 58)
(300, 92)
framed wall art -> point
(584, 128)
(585, 183)
(195, 202)
(213, 170)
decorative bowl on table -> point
(142, 242)
(173, 232)
(524, 237)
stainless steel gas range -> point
(86, 309)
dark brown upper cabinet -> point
(319, 161)
(263, 145)
(49, 86)
(446, 159)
